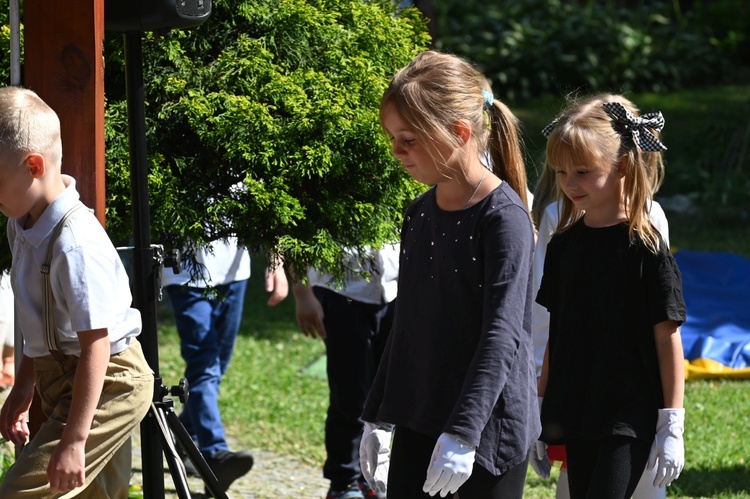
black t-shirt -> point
(459, 358)
(604, 296)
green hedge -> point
(534, 47)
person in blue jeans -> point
(207, 299)
(354, 319)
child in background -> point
(354, 320)
(612, 379)
(208, 300)
(456, 382)
(7, 334)
(546, 216)
(73, 301)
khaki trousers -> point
(126, 397)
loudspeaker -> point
(154, 15)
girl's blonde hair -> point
(583, 134)
(28, 125)
(435, 91)
(545, 192)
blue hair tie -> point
(489, 99)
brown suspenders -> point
(51, 338)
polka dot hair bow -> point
(628, 125)
(546, 131)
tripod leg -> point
(204, 470)
(176, 468)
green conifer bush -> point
(263, 123)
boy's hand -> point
(276, 284)
(67, 466)
(309, 312)
(14, 427)
(14, 413)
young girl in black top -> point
(457, 380)
(612, 378)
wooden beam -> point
(63, 63)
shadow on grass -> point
(713, 482)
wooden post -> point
(63, 63)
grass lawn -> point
(269, 404)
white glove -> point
(450, 466)
(538, 458)
(375, 456)
(668, 450)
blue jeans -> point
(208, 326)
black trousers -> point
(356, 334)
(410, 457)
(609, 468)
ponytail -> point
(505, 148)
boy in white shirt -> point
(73, 300)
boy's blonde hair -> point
(584, 135)
(435, 91)
(28, 125)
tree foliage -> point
(536, 47)
(263, 123)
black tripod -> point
(161, 424)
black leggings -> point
(410, 456)
(609, 468)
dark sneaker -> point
(190, 468)
(228, 466)
(367, 491)
(352, 491)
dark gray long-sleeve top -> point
(460, 357)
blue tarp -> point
(716, 287)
